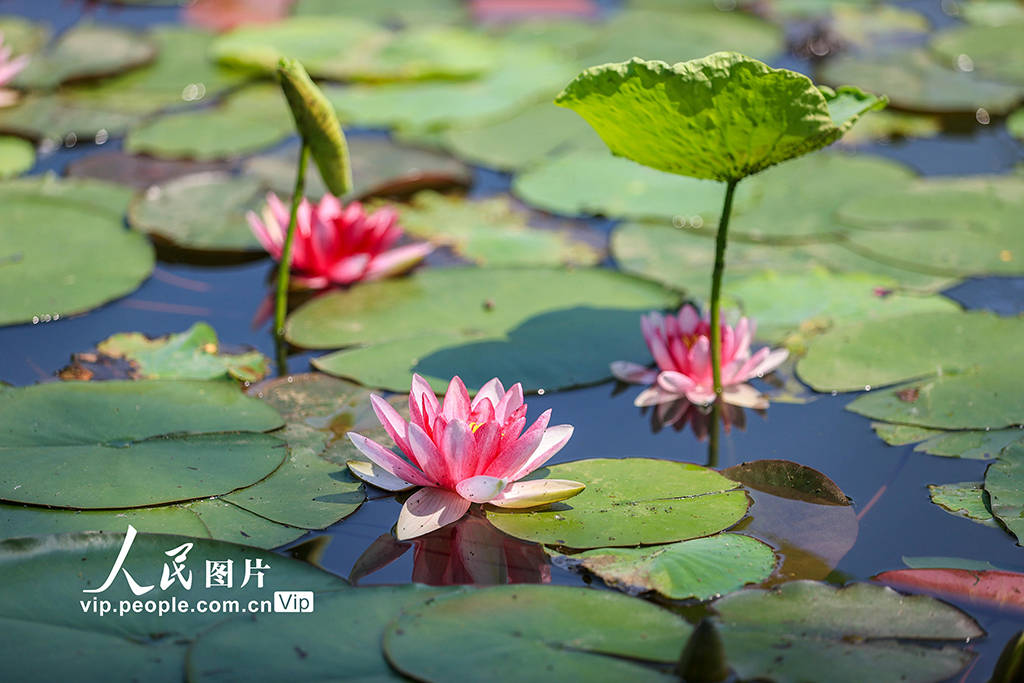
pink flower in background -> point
(462, 452)
(9, 68)
(681, 346)
(335, 243)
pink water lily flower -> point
(335, 243)
(462, 452)
(9, 68)
(681, 346)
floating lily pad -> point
(781, 113)
(341, 635)
(204, 211)
(901, 435)
(780, 303)
(992, 50)
(992, 588)
(973, 445)
(248, 121)
(965, 499)
(25, 520)
(192, 354)
(228, 522)
(914, 81)
(796, 631)
(16, 156)
(86, 50)
(991, 12)
(702, 568)
(65, 119)
(479, 323)
(523, 77)
(866, 26)
(892, 125)
(98, 261)
(1004, 483)
(786, 479)
(386, 11)
(23, 36)
(379, 167)
(1015, 124)
(955, 252)
(181, 73)
(629, 502)
(345, 48)
(490, 232)
(523, 139)
(139, 172)
(515, 633)
(131, 444)
(57, 643)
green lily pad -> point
(132, 444)
(865, 26)
(951, 252)
(379, 167)
(202, 211)
(789, 480)
(192, 354)
(973, 445)
(914, 81)
(139, 172)
(86, 50)
(965, 499)
(346, 48)
(25, 520)
(479, 323)
(342, 635)
(308, 491)
(23, 36)
(16, 156)
(703, 568)
(386, 11)
(525, 138)
(56, 642)
(490, 232)
(992, 50)
(64, 119)
(633, 501)
(515, 633)
(228, 522)
(181, 73)
(659, 115)
(901, 435)
(523, 77)
(245, 122)
(1003, 483)
(892, 125)
(796, 631)
(1015, 124)
(781, 303)
(99, 260)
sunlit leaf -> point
(1003, 483)
(16, 156)
(964, 499)
(86, 50)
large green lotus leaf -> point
(684, 258)
(308, 491)
(523, 77)
(22, 35)
(379, 167)
(340, 638)
(678, 36)
(536, 633)
(203, 211)
(86, 50)
(703, 568)
(131, 444)
(794, 632)
(994, 51)
(527, 137)
(43, 579)
(1004, 483)
(490, 232)
(61, 118)
(594, 182)
(386, 11)
(883, 352)
(659, 115)
(632, 501)
(99, 260)
(228, 522)
(245, 122)
(480, 323)
(16, 156)
(345, 48)
(782, 302)
(181, 73)
(913, 80)
(964, 499)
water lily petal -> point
(512, 456)
(388, 461)
(675, 382)
(458, 448)
(634, 373)
(456, 400)
(554, 440)
(770, 362)
(429, 509)
(422, 401)
(492, 391)
(480, 488)
(688, 319)
(745, 396)
(654, 395)
(528, 494)
(701, 395)
(373, 474)
(509, 403)
(396, 427)
(428, 456)
(397, 261)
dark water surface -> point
(887, 484)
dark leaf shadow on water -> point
(554, 350)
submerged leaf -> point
(997, 589)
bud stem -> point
(284, 268)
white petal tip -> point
(372, 474)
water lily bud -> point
(703, 658)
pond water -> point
(886, 483)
